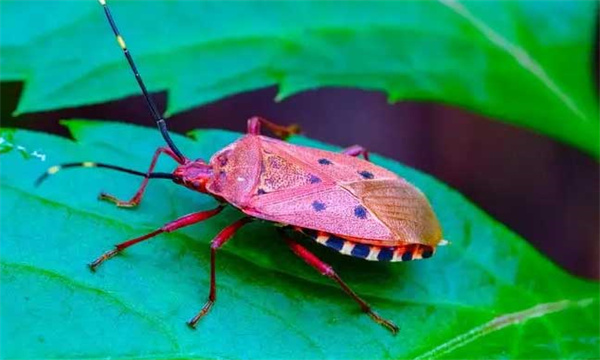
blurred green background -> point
(498, 100)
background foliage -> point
(524, 62)
(505, 59)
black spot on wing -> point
(325, 162)
(407, 256)
(314, 179)
(335, 242)
(361, 250)
(367, 175)
(385, 254)
(261, 192)
(318, 206)
(360, 212)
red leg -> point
(283, 132)
(328, 271)
(356, 150)
(168, 227)
(217, 242)
(137, 197)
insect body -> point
(376, 212)
(337, 199)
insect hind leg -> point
(327, 270)
(283, 132)
(356, 150)
(137, 197)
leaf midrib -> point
(521, 57)
(482, 330)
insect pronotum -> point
(337, 199)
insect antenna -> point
(160, 122)
(88, 164)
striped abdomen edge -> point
(406, 252)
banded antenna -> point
(160, 122)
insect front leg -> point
(356, 150)
(215, 244)
(137, 197)
(325, 269)
(168, 227)
(283, 132)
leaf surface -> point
(522, 62)
(487, 295)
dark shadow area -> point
(545, 191)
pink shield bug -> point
(337, 199)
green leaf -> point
(467, 301)
(522, 62)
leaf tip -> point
(393, 97)
(281, 96)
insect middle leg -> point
(356, 150)
(328, 271)
(283, 132)
(137, 197)
(168, 227)
(215, 244)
